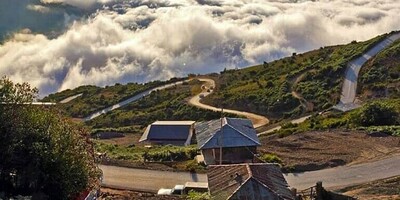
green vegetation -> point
(267, 89)
(379, 115)
(168, 104)
(95, 98)
(271, 158)
(381, 75)
(153, 154)
(41, 154)
(198, 196)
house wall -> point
(253, 190)
(229, 155)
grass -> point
(168, 104)
(381, 75)
(267, 89)
(95, 98)
(369, 117)
(153, 154)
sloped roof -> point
(235, 132)
(163, 130)
(225, 180)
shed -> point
(169, 132)
(254, 181)
(235, 136)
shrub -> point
(271, 158)
(377, 114)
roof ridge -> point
(244, 134)
(208, 140)
(249, 170)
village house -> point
(169, 132)
(254, 181)
(236, 137)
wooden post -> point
(220, 141)
(320, 190)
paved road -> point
(347, 175)
(257, 120)
(130, 100)
(353, 68)
(146, 180)
(68, 99)
(150, 180)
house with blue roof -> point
(236, 137)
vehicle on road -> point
(177, 190)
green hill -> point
(290, 86)
(285, 88)
(380, 77)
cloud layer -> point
(159, 39)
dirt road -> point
(257, 120)
(353, 68)
(150, 180)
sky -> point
(61, 44)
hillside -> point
(285, 88)
(290, 86)
(95, 98)
(380, 77)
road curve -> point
(257, 120)
(349, 88)
(151, 180)
(130, 100)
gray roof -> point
(236, 132)
(165, 131)
(224, 181)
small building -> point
(169, 132)
(254, 181)
(235, 136)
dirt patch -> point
(108, 194)
(381, 189)
(317, 150)
(127, 140)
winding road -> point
(349, 90)
(151, 180)
(257, 120)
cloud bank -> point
(145, 40)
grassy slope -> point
(267, 89)
(169, 104)
(95, 98)
(381, 75)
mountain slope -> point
(290, 86)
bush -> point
(198, 196)
(376, 114)
(271, 158)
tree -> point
(41, 153)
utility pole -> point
(220, 137)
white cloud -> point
(158, 39)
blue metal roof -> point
(166, 132)
(235, 132)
